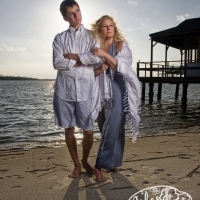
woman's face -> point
(107, 28)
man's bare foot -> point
(99, 175)
(76, 173)
(87, 168)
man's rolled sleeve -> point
(88, 58)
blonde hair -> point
(95, 28)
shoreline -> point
(41, 173)
(27, 145)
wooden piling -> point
(159, 91)
(177, 91)
(151, 93)
(143, 91)
(184, 96)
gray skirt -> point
(111, 148)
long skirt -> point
(112, 128)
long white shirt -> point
(75, 83)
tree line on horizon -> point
(16, 78)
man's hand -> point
(104, 67)
(101, 69)
(77, 64)
(72, 56)
(75, 57)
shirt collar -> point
(80, 29)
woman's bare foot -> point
(111, 170)
(87, 168)
(99, 175)
(76, 173)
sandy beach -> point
(41, 173)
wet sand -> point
(41, 173)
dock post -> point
(184, 97)
(159, 91)
(151, 93)
(143, 91)
(177, 91)
(138, 72)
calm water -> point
(26, 114)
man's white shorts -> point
(70, 113)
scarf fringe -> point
(131, 121)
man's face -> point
(73, 16)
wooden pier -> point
(186, 38)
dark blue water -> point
(26, 114)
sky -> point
(27, 29)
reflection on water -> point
(26, 113)
(168, 116)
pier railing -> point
(168, 69)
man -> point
(74, 86)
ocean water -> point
(27, 120)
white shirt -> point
(75, 83)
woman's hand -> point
(112, 62)
(99, 52)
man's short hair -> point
(65, 4)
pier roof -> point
(175, 37)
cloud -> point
(187, 15)
(141, 24)
(114, 13)
(128, 29)
(133, 3)
(181, 18)
(4, 47)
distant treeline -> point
(22, 78)
(16, 78)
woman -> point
(119, 92)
